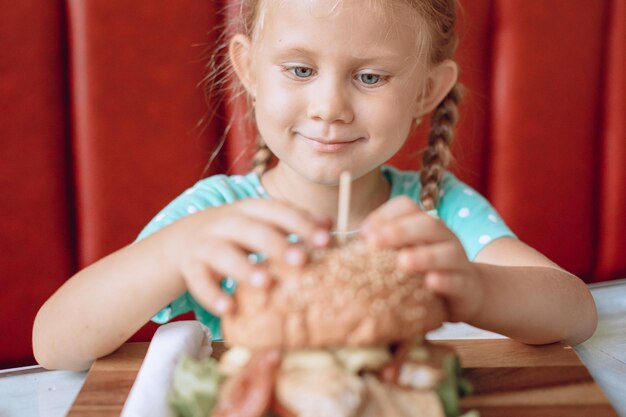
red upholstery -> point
(611, 259)
(100, 104)
(37, 245)
(545, 110)
(135, 106)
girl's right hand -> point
(216, 242)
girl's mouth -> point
(328, 145)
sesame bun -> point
(349, 295)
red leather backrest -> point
(135, 108)
(100, 104)
(545, 113)
(36, 210)
(611, 225)
(531, 138)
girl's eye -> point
(369, 79)
(301, 72)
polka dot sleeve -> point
(470, 216)
(210, 192)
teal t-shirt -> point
(468, 214)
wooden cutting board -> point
(510, 379)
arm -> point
(510, 289)
(531, 299)
(100, 307)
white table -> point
(35, 392)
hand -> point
(215, 243)
(428, 246)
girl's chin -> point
(329, 177)
(325, 172)
(324, 179)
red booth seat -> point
(103, 122)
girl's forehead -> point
(385, 11)
(372, 23)
(327, 8)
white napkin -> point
(148, 396)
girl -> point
(335, 85)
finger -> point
(450, 285)
(394, 208)
(256, 236)
(290, 219)
(447, 255)
(228, 259)
(409, 229)
(202, 284)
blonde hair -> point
(246, 16)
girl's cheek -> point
(389, 112)
(279, 99)
(284, 100)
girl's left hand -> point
(428, 246)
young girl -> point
(335, 85)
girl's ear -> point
(441, 79)
(239, 52)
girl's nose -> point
(330, 102)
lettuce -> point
(195, 387)
(453, 387)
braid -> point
(437, 155)
(262, 157)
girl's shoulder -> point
(212, 191)
(407, 183)
(223, 189)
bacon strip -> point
(249, 393)
(280, 410)
(390, 372)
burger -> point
(342, 336)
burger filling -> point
(412, 380)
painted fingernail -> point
(258, 279)
(321, 238)
(294, 256)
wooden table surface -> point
(509, 378)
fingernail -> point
(372, 239)
(294, 256)
(221, 305)
(258, 279)
(430, 281)
(273, 355)
(376, 239)
(321, 238)
(324, 220)
(405, 261)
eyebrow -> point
(373, 57)
(299, 51)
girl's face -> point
(337, 85)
